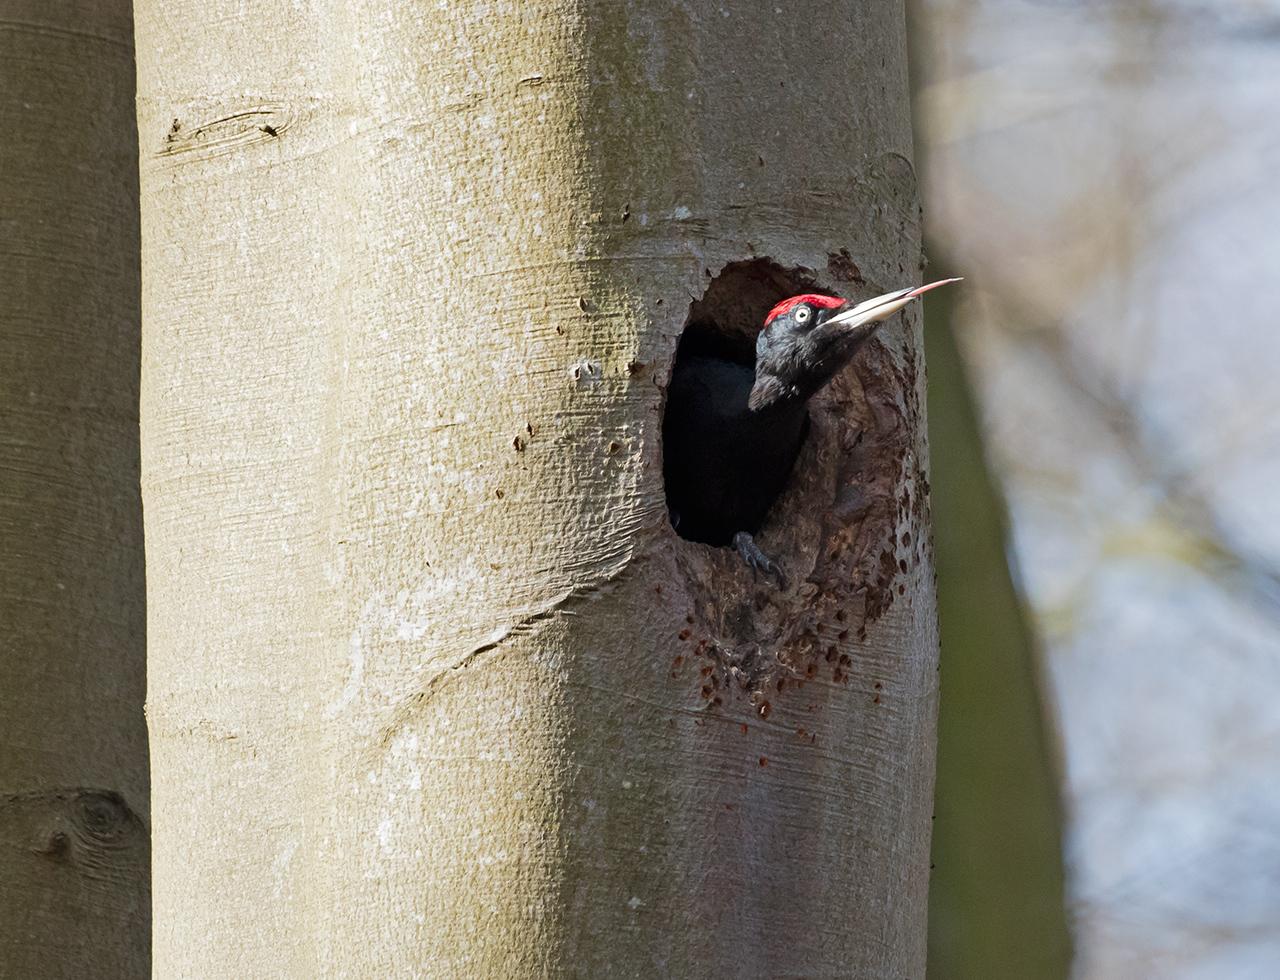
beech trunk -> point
(435, 687)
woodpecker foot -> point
(756, 559)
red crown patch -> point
(813, 299)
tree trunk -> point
(435, 687)
(997, 839)
(73, 753)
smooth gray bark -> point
(435, 688)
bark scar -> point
(496, 644)
(228, 130)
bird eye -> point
(802, 314)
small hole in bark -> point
(715, 488)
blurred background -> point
(1105, 422)
(1105, 427)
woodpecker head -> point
(807, 339)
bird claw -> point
(756, 559)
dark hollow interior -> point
(723, 323)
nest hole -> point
(704, 458)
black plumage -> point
(724, 463)
(733, 430)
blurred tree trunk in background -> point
(73, 755)
(434, 686)
(1131, 422)
(996, 896)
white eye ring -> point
(802, 314)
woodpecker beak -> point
(882, 307)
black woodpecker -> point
(731, 434)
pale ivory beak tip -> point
(883, 307)
(921, 290)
